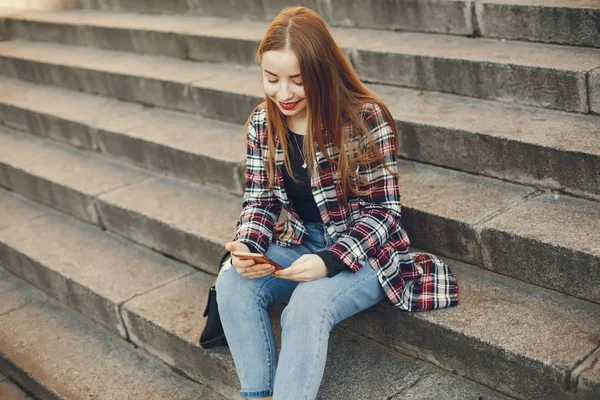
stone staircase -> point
(122, 166)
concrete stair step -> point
(4, 12)
(60, 177)
(519, 333)
(58, 354)
(428, 16)
(541, 75)
(181, 145)
(37, 4)
(548, 149)
(12, 391)
(450, 213)
(72, 182)
(503, 334)
(553, 21)
(199, 88)
(176, 344)
(535, 20)
(84, 267)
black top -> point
(300, 194)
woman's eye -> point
(270, 81)
(298, 83)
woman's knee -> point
(231, 287)
(234, 289)
(308, 308)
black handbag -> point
(213, 334)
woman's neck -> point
(298, 125)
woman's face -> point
(282, 82)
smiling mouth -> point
(288, 106)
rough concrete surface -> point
(523, 144)
(588, 387)
(505, 18)
(83, 267)
(216, 44)
(10, 289)
(3, 31)
(230, 95)
(190, 223)
(502, 331)
(16, 210)
(158, 81)
(410, 14)
(168, 322)
(56, 113)
(407, 15)
(480, 68)
(76, 359)
(434, 127)
(563, 21)
(150, 6)
(60, 177)
(534, 55)
(442, 207)
(517, 82)
(360, 369)
(10, 391)
(447, 387)
(535, 242)
(534, 74)
(73, 133)
(594, 90)
(182, 145)
(38, 4)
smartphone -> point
(258, 258)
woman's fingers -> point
(259, 268)
(294, 273)
(256, 271)
(259, 274)
(237, 263)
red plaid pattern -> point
(365, 228)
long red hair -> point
(335, 96)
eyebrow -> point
(291, 76)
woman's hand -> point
(308, 267)
(247, 268)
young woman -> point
(323, 147)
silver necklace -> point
(300, 150)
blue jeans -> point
(313, 309)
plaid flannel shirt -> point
(365, 228)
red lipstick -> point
(288, 106)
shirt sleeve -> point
(380, 210)
(333, 264)
(260, 207)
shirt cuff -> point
(251, 246)
(333, 264)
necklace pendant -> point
(304, 165)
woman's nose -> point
(285, 93)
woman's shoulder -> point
(256, 122)
(258, 116)
(372, 110)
